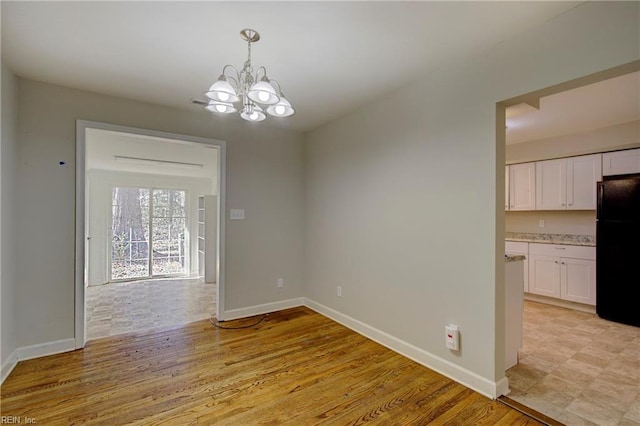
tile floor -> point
(125, 307)
(578, 368)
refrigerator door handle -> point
(600, 197)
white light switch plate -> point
(236, 214)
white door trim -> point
(80, 247)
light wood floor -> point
(296, 367)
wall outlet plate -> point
(236, 214)
(280, 282)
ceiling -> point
(330, 57)
(590, 107)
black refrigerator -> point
(618, 249)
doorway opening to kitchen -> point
(556, 143)
(143, 229)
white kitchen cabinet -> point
(583, 174)
(561, 271)
(621, 162)
(568, 183)
(522, 186)
(551, 185)
(578, 280)
(519, 247)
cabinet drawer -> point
(574, 252)
(518, 247)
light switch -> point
(237, 214)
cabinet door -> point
(544, 275)
(578, 280)
(582, 175)
(551, 185)
(506, 187)
(621, 162)
(522, 186)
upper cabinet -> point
(583, 174)
(522, 186)
(568, 183)
(621, 162)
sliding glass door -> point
(147, 233)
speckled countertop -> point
(573, 240)
(514, 257)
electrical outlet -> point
(280, 282)
(339, 291)
(541, 224)
(452, 337)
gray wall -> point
(8, 153)
(264, 176)
(402, 205)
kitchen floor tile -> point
(578, 368)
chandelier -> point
(254, 94)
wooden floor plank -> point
(296, 367)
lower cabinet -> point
(565, 272)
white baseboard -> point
(455, 372)
(9, 365)
(561, 303)
(36, 351)
(502, 387)
(262, 309)
(44, 349)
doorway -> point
(571, 361)
(137, 193)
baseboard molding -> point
(8, 365)
(502, 387)
(35, 351)
(44, 349)
(262, 309)
(561, 303)
(459, 374)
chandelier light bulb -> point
(223, 96)
(279, 109)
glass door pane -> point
(129, 233)
(168, 223)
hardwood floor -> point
(296, 367)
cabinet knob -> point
(556, 261)
(570, 204)
(562, 204)
(562, 263)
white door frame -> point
(81, 232)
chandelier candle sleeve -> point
(255, 91)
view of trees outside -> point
(136, 211)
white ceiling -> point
(597, 105)
(330, 57)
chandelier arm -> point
(264, 70)
(224, 72)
